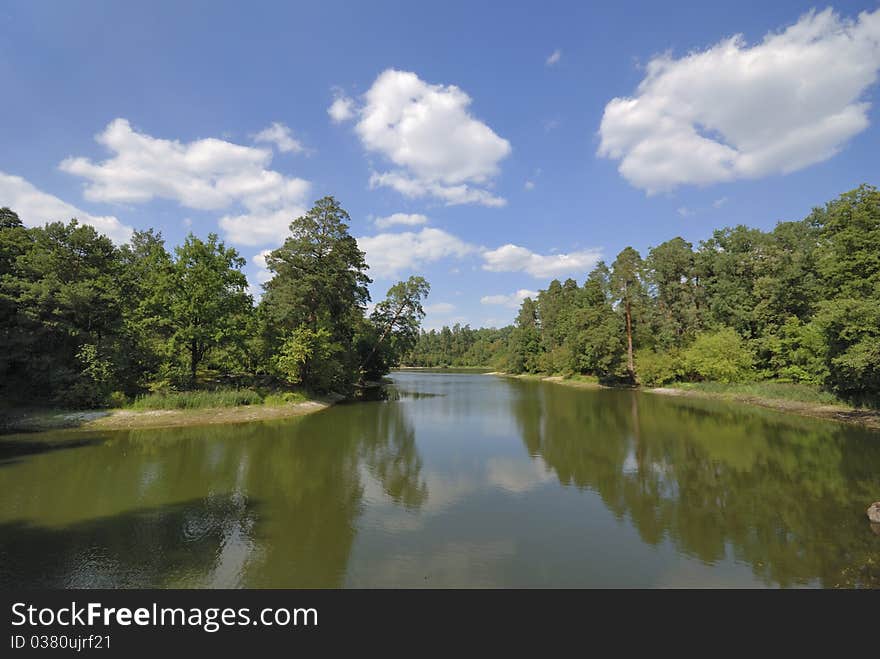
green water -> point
(461, 479)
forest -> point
(800, 303)
(85, 323)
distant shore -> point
(837, 412)
(126, 419)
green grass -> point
(194, 400)
(802, 393)
(591, 379)
(284, 397)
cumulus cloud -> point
(513, 258)
(439, 308)
(529, 185)
(554, 57)
(737, 111)
(512, 301)
(426, 131)
(36, 207)
(206, 174)
(281, 136)
(388, 254)
(406, 219)
(263, 275)
(342, 109)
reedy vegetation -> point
(799, 304)
(85, 323)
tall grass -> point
(194, 400)
(802, 393)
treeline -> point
(458, 346)
(86, 323)
(800, 303)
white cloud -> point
(735, 111)
(280, 135)
(554, 58)
(512, 301)
(342, 109)
(529, 185)
(261, 226)
(453, 195)
(439, 308)
(390, 253)
(684, 211)
(206, 174)
(407, 219)
(263, 275)
(35, 208)
(718, 203)
(439, 149)
(513, 258)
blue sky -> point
(491, 128)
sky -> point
(489, 147)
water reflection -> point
(784, 495)
(262, 505)
(460, 480)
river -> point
(458, 479)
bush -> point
(721, 356)
(117, 399)
(657, 368)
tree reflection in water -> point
(784, 495)
(262, 505)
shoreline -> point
(125, 419)
(865, 418)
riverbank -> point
(128, 419)
(819, 408)
(578, 381)
(835, 412)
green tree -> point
(207, 298)
(626, 282)
(319, 282)
(398, 316)
(672, 276)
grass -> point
(284, 398)
(792, 391)
(194, 400)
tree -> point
(626, 281)
(319, 273)
(60, 288)
(525, 340)
(207, 298)
(399, 315)
(600, 338)
(319, 282)
(672, 278)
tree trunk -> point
(193, 362)
(630, 365)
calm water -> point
(463, 480)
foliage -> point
(84, 323)
(659, 368)
(800, 304)
(721, 356)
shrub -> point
(657, 368)
(721, 356)
(117, 399)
